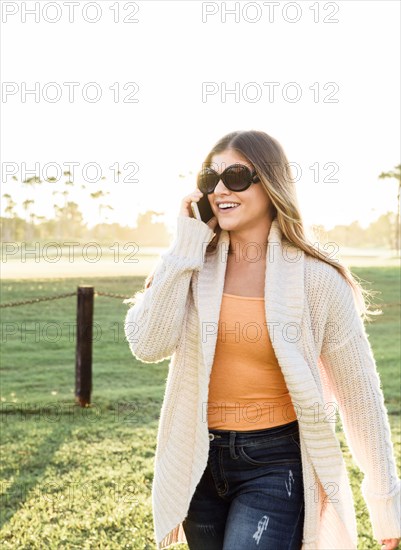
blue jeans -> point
(251, 493)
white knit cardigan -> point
(323, 350)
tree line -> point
(68, 222)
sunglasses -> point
(236, 177)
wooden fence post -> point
(83, 358)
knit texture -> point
(327, 362)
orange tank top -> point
(247, 389)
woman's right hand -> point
(186, 209)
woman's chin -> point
(226, 223)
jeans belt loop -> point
(232, 448)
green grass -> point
(81, 478)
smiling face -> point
(253, 210)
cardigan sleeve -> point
(349, 363)
(153, 324)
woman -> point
(267, 340)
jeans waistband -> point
(231, 437)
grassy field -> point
(81, 478)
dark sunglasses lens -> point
(237, 177)
(207, 181)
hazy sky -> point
(180, 58)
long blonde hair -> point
(271, 164)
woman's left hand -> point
(390, 544)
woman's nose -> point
(220, 186)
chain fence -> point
(58, 296)
(83, 367)
(112, 295)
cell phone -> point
(202, 210)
